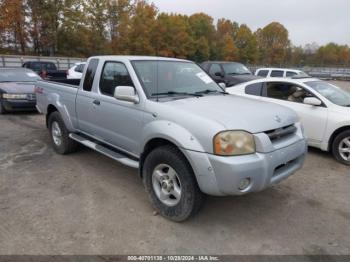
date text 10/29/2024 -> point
(174, 258)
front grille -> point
(280, 133)
(31, 97)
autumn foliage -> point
(82, 28)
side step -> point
(104, 150)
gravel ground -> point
(86, 203)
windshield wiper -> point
(208, 91)
(240, 73)
(176, 93)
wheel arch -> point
(155, 143)
(50, 109)
(335, 134)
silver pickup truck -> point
(183, 132)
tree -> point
(202, 29)
(333, 54)
(230, 51)
(246, 43)
(13, 26)
(171, 36)
(142, 24)
(273, 43)
(118, 15)
(96, 22)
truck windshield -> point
(174, 78)
(235, 69)
(333, 93)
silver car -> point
(183, 132)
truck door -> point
(86, 101)
(120, 122)
(113, 121)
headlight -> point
(14, 96)
(231, 143)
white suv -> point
(279, 72)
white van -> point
(279, 72)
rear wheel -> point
(171, 184)
(341, 147)
(61, 142)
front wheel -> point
(171, 184)
(341, 147)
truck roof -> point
(133, 58)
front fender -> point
(172, 132)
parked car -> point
(324, 109)
(230, 73)
(47, 70)
(170, 120)
(279, 72)
(17, 89)
(76, 71)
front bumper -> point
(218, 175)
(19, 105)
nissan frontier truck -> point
(181, 130)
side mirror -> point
(222, 85)
(313, 101)
(219, 74)
(126, 93)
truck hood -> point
(236, 113)
(17, 87)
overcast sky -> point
(322, 21)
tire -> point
(341, 147)
(61, 142)
(2, 109)
(163, 162)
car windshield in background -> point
(13, 75)
(333, 93)
(173, 78)
(236, 69)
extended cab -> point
(183, 132)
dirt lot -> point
(85, 203)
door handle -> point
(96, 102)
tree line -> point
(82, 28)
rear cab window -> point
(277, 73)
(290, 74)
(263, 73)
(90, 74)
(49, 66)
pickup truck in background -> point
(46, 70)
(183, 132)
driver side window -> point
(286, 91)
(114, 74)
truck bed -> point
(59, 94)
